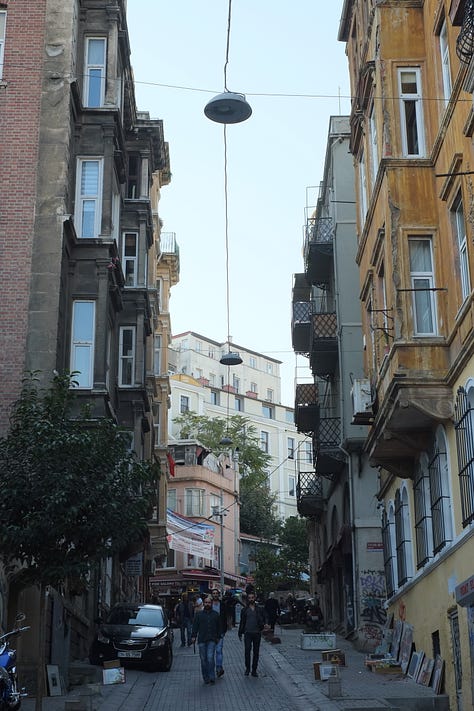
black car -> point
(138, 634)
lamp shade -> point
(231, 359)
(226, 441)
(228, 108)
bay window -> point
(88, 211)
(94, 72)
(82, 342)
(422, 286)
(127, 356)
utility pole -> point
(218, 512)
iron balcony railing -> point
(301, 326)
(168, 243)
(318, 249)
(306, 413)
(309, 494)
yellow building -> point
(412, 122)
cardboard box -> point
(321, 641)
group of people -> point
(210, 624)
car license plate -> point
(130, 655)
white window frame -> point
(374, 151)
(445, 63)
(194, 501)
(269, 394)
(422, 300)
(362, 190)
(157, 354)
(236, 383)
(239, 403)
(254, 388)
(265, 441)
(308, 452)
(268, 411)
(415, 98)
(3, 25)
(252, 361)
(172, 500)
(460, 229)
(130, 261)
(85, 344)
(184, 404)
(291, 447)
(90, 67)
(126, 359)
(94, 198)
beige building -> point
(412, 126)
(253, 389)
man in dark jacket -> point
(207, 629)
(184, 618)
(252, 622)
(221, 608)
(272, 610)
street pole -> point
(218, 512)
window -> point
(445, 68)
(212, 379)
(460, 232)
(270, 368)
(133, 176)
(291, 486)
(269, 395)
(440, 477)
(308, 452)
(291, 447)
(198, 346)
(157, 429)
(254, 388)
(130, 257)
(215, 399)
(115, 211)
(82, 343)
(362, 190)
(194, 502)
(403, 537)
(236, 383)
(411, 112)
(239, 404)
(127, 356)
(212, 352)
(157, 355)
(172, 500)
(374, 153)
(423, 525)
(464, 426)
(252, 362)
(290, 416)
(3, 20)
(215, 504)
(183, 404)
(389, 548)
(94, 75)
(264, 441)
(169, 561)
(422, 285)
(268, 411)
(88, 197)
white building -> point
(200, 383)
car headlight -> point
(158, 642)
(101, 637)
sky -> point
(275, 159)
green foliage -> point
(294, 551)
(268, 570)
(257, 503)
(71, 492)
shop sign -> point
(465, 592)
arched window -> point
(403, 536)
(464, 427)
(389, 549)
(423, 524)
(440, 493)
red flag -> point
(171, 463)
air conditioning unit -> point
(361, 396)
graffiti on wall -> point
(372, 611)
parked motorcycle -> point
(10, 694)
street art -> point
(373, 615)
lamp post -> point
(218, 512)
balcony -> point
(324, 346)
(301, 327)
(318, 250)
(309, 495)
(329, 460)
(306, 411)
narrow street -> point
(285, 683)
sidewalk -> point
(286, 683)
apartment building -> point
(337, 492)
(412, 124)
(253, 389)
(87, 269)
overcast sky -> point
(274, 159)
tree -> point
(267, 571)
(257, 503)
(294, 551)
(71, 491)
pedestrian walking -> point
(207, 630)
(252, 622)
(184, 612)
(272, 610)
(220, 607)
